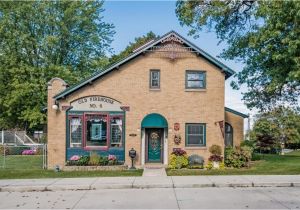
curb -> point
(138, 186)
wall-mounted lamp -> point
(55, 106)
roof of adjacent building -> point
(236, 112)
(228, 71)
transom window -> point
(154, 79)
(195, 134)
(195, 79)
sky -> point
(136, 18)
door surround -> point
(154, 121)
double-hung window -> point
(195, 134)
(116, 127)
(195, 79)
(154, 79)
(75, 131)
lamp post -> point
(132, 155)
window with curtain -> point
(75, 132)
(96, 130)
(195, 134)
(116, 126)
(195, 80)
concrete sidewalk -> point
(27, 185)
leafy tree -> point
(264, 35)
(41, 40)
(138, 42)
(281, 125)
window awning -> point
(154, 121)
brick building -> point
(167, 94)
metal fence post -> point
(4, 149)
(2, 137)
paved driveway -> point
(164, 198)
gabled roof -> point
(236, 112)
(228, 71)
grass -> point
(269, 164)
(27, 167)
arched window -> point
(228, 135)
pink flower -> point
(112, 157)
(75, 157)
(28, 152)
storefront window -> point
(75, 132)
(96, 130)
(116, 124)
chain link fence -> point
(24, 157)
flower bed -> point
(96, 168)
(93, 162)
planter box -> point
(95, 168)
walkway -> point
(95, 183)
(157, 198)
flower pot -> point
(216, 164)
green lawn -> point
(269, 164)
(25, 167)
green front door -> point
(154, 145)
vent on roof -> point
(137, 49)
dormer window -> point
(154, 79)
(195, 79)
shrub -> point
(103, 161)
(248, 143)
(17, 150)
(292, 146)
(215, 150)
(94, 159)
(178, 152)
(83, 161)
(178, 161)
(209, 165)
(238, 157)
(195, 161)
(3, 150)
(39, 151)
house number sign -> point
(96, 103)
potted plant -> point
(215, 157)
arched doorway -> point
(228, 135)
(154, 132)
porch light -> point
(132, 155)
(55, 106)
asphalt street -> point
(162, 198)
